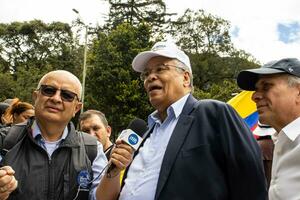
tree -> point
(221, 92)
(199, 32)
(30, 49)
(33, 43)
(214, 59)
(112, 85)
(209, 69)
(6, 85)
(135, 12)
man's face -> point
(276, 101)
(54, 109)
(166, 86)
(94, 126)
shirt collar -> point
(174, 109)
(37, 131)
(292, 129)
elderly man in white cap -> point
(277, 97)
(192, 149)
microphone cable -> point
(84, 189)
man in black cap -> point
(277, 97)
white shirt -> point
(285, 181)
(142, 177)
(97, 166)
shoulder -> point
(215, 111)
(87, 138)
(4, 130)
(3, 133)
(213, 105)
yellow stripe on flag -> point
(243, 103)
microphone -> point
(132, 136)
(139, 126)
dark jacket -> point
(211, 155)
(41, 177)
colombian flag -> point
(244, 105)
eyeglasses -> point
(159, 69)
(50, 91)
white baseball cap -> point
(165, 49)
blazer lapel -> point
(176, 141)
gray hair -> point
(293, 80)
(186, 68)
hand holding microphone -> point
(121, 157)
(128, 141)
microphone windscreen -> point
(139, 126)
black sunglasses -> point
(50, 91)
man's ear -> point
(34, 96)
(187, 79)
(298, 96)
(77, 108)
(108, 129)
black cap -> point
(247, 79)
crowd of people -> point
(192, 149)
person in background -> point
(277, 97)
(18, 112)
(3, 107)
(263, 134)
(193, 149)
(51, 160)
(95, 123)
(8, 101)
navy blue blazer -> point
(211, 155)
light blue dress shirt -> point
(142, 177)
(98, 164)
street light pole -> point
(84, 67)
(84, 58)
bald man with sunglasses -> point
(50, 159)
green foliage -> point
(30, 49)
(213, 57)
(200, 32)
(209, 69)
(33, 43)
(6, 85)
(136, 12)
(112, 86)
(221, 92)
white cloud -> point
(257, 23)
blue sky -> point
(267, 29)
(289, 33)
(235, 32)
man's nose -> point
(256, 96)
(57, 96)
